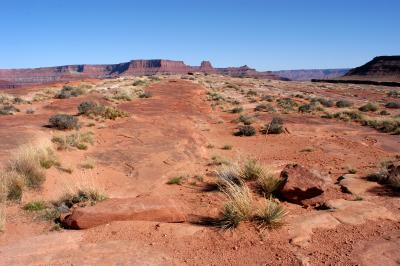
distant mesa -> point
(382, 70)
(24, 77)
(309, 74)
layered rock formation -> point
(381, 68)
(20, 77)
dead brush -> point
(75, 140)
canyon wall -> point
(24, 77)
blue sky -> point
(267, 35)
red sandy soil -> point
(167, 136)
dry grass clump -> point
(269, 183)
(11, 186)
(2, 218)
(369, 107)
(251, 170)
(239, 205)
(83, 193)
(35, 206)
(70, 91)
(176, 180)
(246, 131)
(30, 161)
(229, 174)
(8, 109)
(274, 127)
(270, 214)
(75, 140)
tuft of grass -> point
(75, 140)
(176, 180)
(239, 205)
(11, 186)
(218, 160)
(89, 163)
(236, 110)
(35, 206)
(229, 174)
(352, 171)
(251, 170)
(30, 161)
(85, 193)
(269, 183)
(227, 147)
(287, 104)
(210, 146)
(270, 214)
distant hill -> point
(381, 68)
(308, 74)
(31, 76)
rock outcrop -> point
(141, 208)
(302, 184)
(21, 77)
(309, 74)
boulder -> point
(301, 184)
(140, 208)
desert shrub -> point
(236, 110)
(214, 96)
(76, 140)
(139, 82)
(384, 112)
(35, 206)
(69, 91)
(307, 108)
(287, 104)
(227, 147)
(239, 205)
(63, 121)
(264, 107)
(274, 127)
(394, 94)
(146, 94)
(392, 105)
(369, 107)
(267, 98)
(8, 109)
(386, 126)
(269, 183)
(245, 130)
(324, 102)
(343, 104)
(30, 111)
(251, 93)
(176, 180)
(86, 107)
(29, 163)
(89, 163)
(270, 214)
(246, 120)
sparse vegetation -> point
(343, 104)
(236, 110)
(394, 94)
(218, 160)
(324, 102)
(176, 180)
(264, 107)
(8, 109)
(274, 127)
(70, 91)
(2, 218)
(93, 110)
(35, 206)
(245, 130)
(246, 120)
(227, 147)
(393, 105)
(369, 107)
(269, 183)
(287, 104)
(82, 193)
(63, 121)
(75, 140)
(251, 170)
(145, 95)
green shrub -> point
(307, 108)
(343, 104)
(35, 206)
(274, 127)
(369, 107)
(92, 109)
(392, 105)
(287, 104)
(245, 130)
(86, 107)
(246, 120)
(176, 180)
(63, 121)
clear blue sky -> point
(267, 35)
